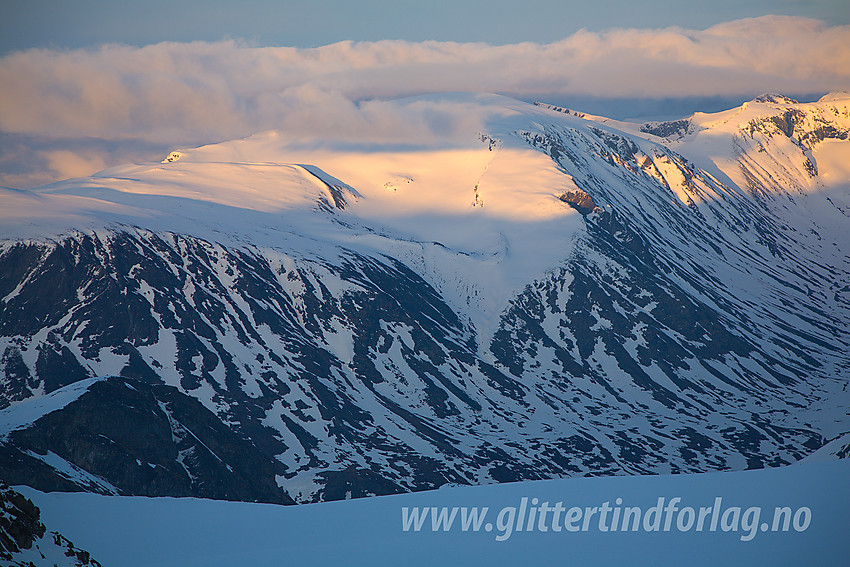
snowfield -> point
(186, 532)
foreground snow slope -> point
(187, 532)
(538, 295)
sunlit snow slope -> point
(545, 294)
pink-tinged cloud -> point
(178, 94)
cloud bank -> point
(174, 94)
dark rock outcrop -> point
(23, 536)
(579, 200)
(131, 437)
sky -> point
(89, 84)
(312, 23)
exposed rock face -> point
(24, 540)
(671, 130)
(775, 98)
(133, 437)
(19, 523)
(579, 200)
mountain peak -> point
(834, 96)
(775, 99)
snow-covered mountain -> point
(548, 294)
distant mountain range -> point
(551, 294)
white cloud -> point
(180, 94)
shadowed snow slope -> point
(542, 294)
